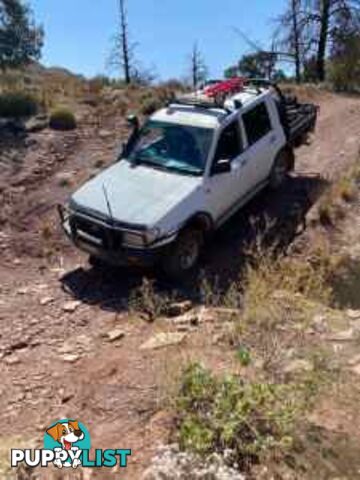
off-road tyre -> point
(183, 256)
(280, 170)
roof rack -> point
(214, 96)
(196, 100)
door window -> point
(257, 123)
(229, 145)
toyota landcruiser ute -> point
(185, 172)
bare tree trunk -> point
(323, 39)
(294, 8)
(195, 66)
(198, 67)
(124, 42)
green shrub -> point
(62, 119)
(17, 105)
(227, 414)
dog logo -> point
(67, 444)
(68, 438)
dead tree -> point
(122, 55)
(198, 67)
(325, 18)
(293, 34)
(296, 38)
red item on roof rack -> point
(234, 85)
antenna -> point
(108, 203)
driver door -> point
(224, 190)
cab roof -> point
(207, 116)
(193, 116)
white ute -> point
(183, 173)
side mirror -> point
(221, 166)
(133, 122)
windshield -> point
(168, 146)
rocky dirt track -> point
(68, 347)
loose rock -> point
(70, 307)
(163, 340)
(36, 124)
(116, 334)
(177, 309)
(171, 464)
(70, 358)
(298, 366)
(354, 361)
(46, 301)
(12, 360)
(353, 314)
(105, 134)
(344, 336)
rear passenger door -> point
(261, 140)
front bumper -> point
(107, 246)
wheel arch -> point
(200, 220)
(289, 152)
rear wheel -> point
(183, 257)
(279, 170)
(96, 262)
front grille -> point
(107, 237)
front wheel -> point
(183, 256)
(279, 170)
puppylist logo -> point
(67, 444)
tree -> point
(122, 55)
(279, 76)
(344, 61)
(293, 35)
(325, 15)
(257, 65)
(310, 74)
(21, 40)
(232, 71)
(199, 70)
(308, 28)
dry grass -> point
(307, 92)
(148, 301)
(332, 206)
(277, 286)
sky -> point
(78, 33)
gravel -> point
(171, 464)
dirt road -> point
(61, 352)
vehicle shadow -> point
(278, 217)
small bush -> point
(326, 212)
(345, 190)
(62, 119)
(147, 300)
(229, 415)
(17, 105)
(150, 105)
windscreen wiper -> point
(149, 163)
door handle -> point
(244, 162)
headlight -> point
(141, 239)
(152, 235)
(133, 239)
